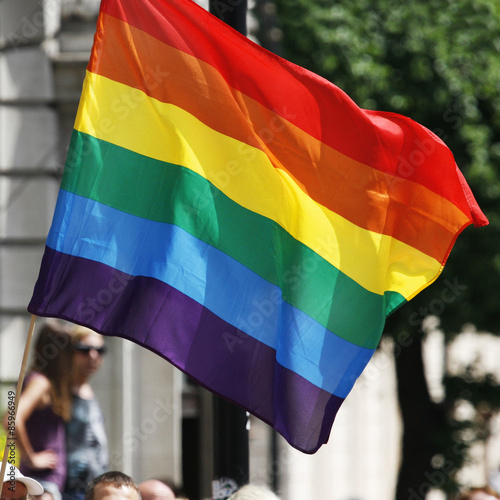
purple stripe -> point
(160, 318)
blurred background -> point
(423, 419)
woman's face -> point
(88, 355)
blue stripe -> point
(140, 247)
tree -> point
(438, 62)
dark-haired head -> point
(52, 357)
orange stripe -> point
(136, 59)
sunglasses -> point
(85, 349)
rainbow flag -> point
(241, 216)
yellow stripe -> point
(129, 118)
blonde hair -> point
(253, 492)
(79, 332)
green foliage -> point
(473, 399)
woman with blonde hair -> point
(86, 443)
(44, 407)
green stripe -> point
(169, 193)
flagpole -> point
(232, 12)
(231, 454)
(230, 429)
(10, 442)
